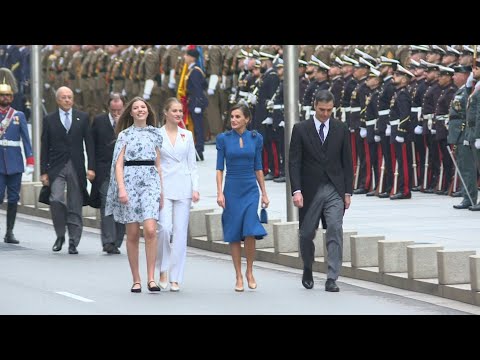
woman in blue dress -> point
(241, 149)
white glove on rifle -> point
(477, 143)
(363, 133)
(399, 139)
(197, 110)
(267, 121)
(377, 138)
(418, 130)
(466, 143)
(388, 130)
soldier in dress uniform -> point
(213, 70)
(13, 132)
(336, 86)
(402, 133)
(387, 67)
(278, 116)
(451, 57)
(472, 130)
(302, 81)
(466, 56)
(456, 135)
(440, 120)
(368, 125)
(74, 72)
(432, 161)
(320, 82)
(435, 54)
(172, 64)
(150, 67)
(418, 52)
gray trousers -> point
(328, 201)
(467, 167)
(111, 231)
(67, 213)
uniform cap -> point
(337, 62)
(278, 62)
(403, 71)
(319, 63)
(255, 54)
(467, 50)
(364, 63)
(385, 61)
(419, 48)
(302, 62)
(266, 55)
(258, 63)
(452, 51)
(364, 55)
(414, 64)
(374, 72)
(194, 53)
(444, 70)
(462, 69)
(8, 83)
(347, 60)
(428, 65)
(437, 49)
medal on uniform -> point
(16, 120)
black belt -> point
(139, 163)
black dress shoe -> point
(429, 191)
(462, 205)
(10, 238)
(441, 192)
(384, 195)
(331, 286)
(417, 188)
(359, 192)
(58, 243)
(474, 207)
(399, 196)
(456, 194)
(269, 176)
(280, 179)
(111, 249)
(307, 278)
(371, 193)
(72, 249)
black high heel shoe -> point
(136, 290)
(152, 288)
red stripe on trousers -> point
(276, 169)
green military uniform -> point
(150, 70)
(213, 122)
(101, 87)
(472, 132)
(456, 136)
(50, 59)
(74, 74)
(172, 63)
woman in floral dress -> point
(135, 193)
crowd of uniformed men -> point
(405, 105)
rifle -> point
(457, 170)
(440, 178)
(382, 174)
(425, 173)
(414, 165)
(357, 173)
(395, 178)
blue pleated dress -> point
(240, 216)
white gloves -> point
(377, 138)
(388, 130)
(223, 84)
(46, 86)
(146, 96)
(252, 99)
(197, 110)
(344, 116)
(234, 90)
(270, 105)
(171, 85)
(399, 139)
(29, 169)
(124, 92)
(477, 143)
(268, 121)
(466, 143)
(211, 91)
(433, 131)
(363, 133)
(418, 130)
(429, 124)
(147, 90)
(281, 124)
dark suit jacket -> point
(103, 136)
(58, 147)
(308, 156)
(196, 86)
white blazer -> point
(179, 165)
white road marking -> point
(73, 296)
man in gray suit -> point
(62, 163)
(321, 176)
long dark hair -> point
(126, 119)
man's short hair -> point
(116, 96)
(324, 96)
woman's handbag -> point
(263, 216)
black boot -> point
(11, 215)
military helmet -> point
(8, 83)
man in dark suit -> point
(196, 97)
(62, 163)
(321, 176)
(103, 136)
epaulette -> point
(254, 133)
(199, 68)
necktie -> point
(68, 122)
(320, 132)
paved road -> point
(424, 218)
(35, 280)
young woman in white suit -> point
(180, 184)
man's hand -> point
(90, 175)
(44, 179)
(348, 201)
(298, 200)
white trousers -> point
(172, 238)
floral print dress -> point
(142, 183)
